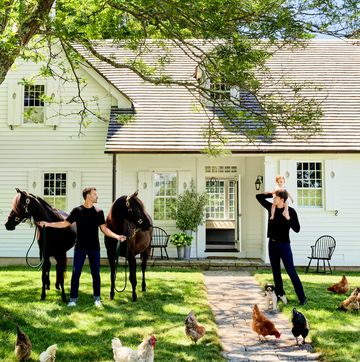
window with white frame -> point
(54, 190)
(165, 194)
(34, 103)
(219, 90)
(309, 184)
(221, 199)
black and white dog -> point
(271, 297)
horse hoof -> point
(57, 286)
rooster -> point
(49, 355)
(192, 328)
(300, 325)
(144, 352)
(262, 325)
(23, 346)
(351, 303)
(341, 287)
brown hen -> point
(341, 287)
(351, 303)
(262, 325)
(192, 328)
(23, 346)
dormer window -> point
(219, 91)
(34, 104)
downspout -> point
(114, 177)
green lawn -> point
(335, 334)
(84, 333)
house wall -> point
(27, 151)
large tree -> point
(245, 35)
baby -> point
(280, 185)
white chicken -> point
(49, 355)
(144, 352)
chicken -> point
(262, 325)
(23, 346)
(144, 352)
(351, 303)
(49, 355)
(192, 328)
(341, 287)
(300, 325)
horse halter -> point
(130, 210)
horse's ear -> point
(18, 190)
(136, 193)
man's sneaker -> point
(98, 304)
(283, 298)
(72, 304)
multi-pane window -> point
(55, 189)
(34, 103)
(221, 199)
(219, 91)
(309, 184)
(165, 194)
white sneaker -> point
(98, 304)
(283, 298)
(72, 304)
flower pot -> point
(187, 251)
(180, 252)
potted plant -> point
(190, 212)
(181, 240)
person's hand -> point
(42, 224)
(122, 238)
(286, 214)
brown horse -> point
(128, 216)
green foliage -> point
(190, 209)
(181, 239)
(333, 333)
(84, 333)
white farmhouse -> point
(159, 153)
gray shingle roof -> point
(165, 119)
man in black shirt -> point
(88, 219)
(279, 241)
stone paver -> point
(232, 295)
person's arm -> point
(262, 199)
(55, 224)
(105, 230)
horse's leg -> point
(45, 277)
(144, 258)
(132, 276)
(111, 255)
(60, 275)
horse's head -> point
(20, 209)
(136, 213)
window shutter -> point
(52, 109)
(331, 190)
(15, 103)
(184, 181)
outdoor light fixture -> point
(259, 181)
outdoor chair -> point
(323, 249)
(160, 240)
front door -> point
(222, 215)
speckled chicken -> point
(341, 287)
(23, 346)
(300, 325)
(192, 328)
(262, 325)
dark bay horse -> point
(128, 216)
(52, 242)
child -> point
(280, 184)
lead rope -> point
(39, 265)
(126, 262)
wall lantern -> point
(259, 181)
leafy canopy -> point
(251, 31)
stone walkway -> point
(232, 295)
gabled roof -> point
(167, 119)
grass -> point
(84, 333)
(334, 333)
